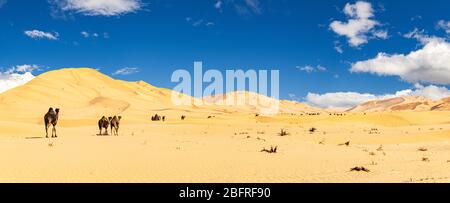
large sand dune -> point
(411, 103)
(215, 143)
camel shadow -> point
(29, 138)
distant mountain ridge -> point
(410, 103)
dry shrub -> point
(271, 150)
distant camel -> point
(51, 118)
(104, 123)
(156, 117)
(115, 123)
(183, 117)
(164, 118)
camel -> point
(156, 117)
(104, 123)
(51, 118)
(115, 122)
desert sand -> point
(404, 145)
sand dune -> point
(215, 143)
(411, 103)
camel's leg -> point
(54, 130)
(46, 130)
(117, 131)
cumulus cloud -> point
(311, 69)
(444, 25)
(16, 76)
(98, 7)
(126, 71)
(360, 25)
(37, 34)
(351, 99)
(338, 99)
(430, 64)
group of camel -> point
(51, 119)
(114, 122)
(156, 117)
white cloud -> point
(218, 4)
(37, 34)
(351, 99)
(417, 17)
(23, 68)
(241, 7)
(444, 25)
(337, 99)
(9, 81)
(382, 34)
(430, 64)
(126, 71)
(95, 35)
(307, 68)
(85, 34)
(198, 23)
(254, 5)
(420, 36)
(360, 25)
(311, 69)
(16, 76)
(338, 47)
(321, 68)
(99, 7)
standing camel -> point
(51, 118)
(104, 123)
(115, 123)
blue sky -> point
(326, 51)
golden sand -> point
(396, 146)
